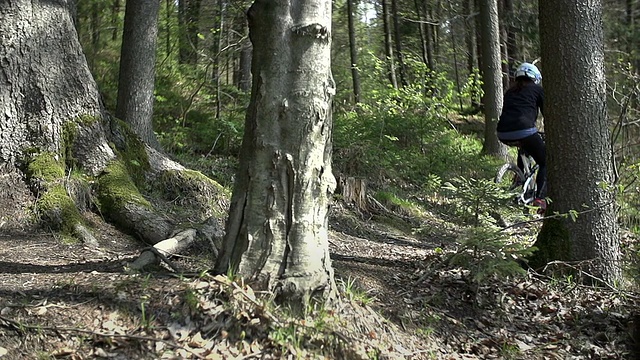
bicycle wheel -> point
(516, 179)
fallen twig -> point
(21, 327)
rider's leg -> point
(534, 146)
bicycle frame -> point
(528, 193)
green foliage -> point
(476, 199)
(488, 252)
(352, 292)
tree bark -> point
(353, 50)
(188, 19)
(388, 45)
(492, 77)
(398, 42)
(277, 227)
(53, 128)
(472, 52)
(137, 68)
(579, 150)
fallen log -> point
(210, 230)
(165, 248)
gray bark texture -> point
(578, 135)
(136, 81)
(53, 127)
(491, 76)
(277, 231)
(45, 83)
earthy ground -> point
(400, 299)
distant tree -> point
(388, 44)
(397, 41)
(137, 68)
(277, 230)
(353, 50)
(578, 137)
(188, 18)
(491, 76)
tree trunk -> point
(398, 42)
(188, 17)
(388, 45)
(355, 75)
(430, 38)
(244, 71)
(492, 77)
(277, 231)
(115, 23)
(578, 135)
(514, 59)
(58, 144)
(504, 47)
(137, 68)
(472, 53)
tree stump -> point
(354, 191)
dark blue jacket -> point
(520, 108)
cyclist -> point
(517, 124)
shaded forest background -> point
(404, 114)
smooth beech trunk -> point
(277, 231)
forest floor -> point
(400, 299)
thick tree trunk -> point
(277, 226)
(45, 84)
(137, 68)
(53, 127)
(492, 77)
(578, 142)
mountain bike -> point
(524, 181)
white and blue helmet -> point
(530, 71)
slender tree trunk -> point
(422, 30)
(244, 71)
(398, 42)
(577, 129)
(277, 231)
(504, 47)
(514, 59)
(188, 20)
(472, 53)
(430, 37)
(137, 68)
(355, 75)
(388, 45)
(492, 77)
(115, 22)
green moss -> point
(116, 188)
(54, 205)
(200, 193)
(45, 168)
(87, 119)
(59, 210)
(69, 133)
(133, 154)
(553, 243)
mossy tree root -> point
(121, 201)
